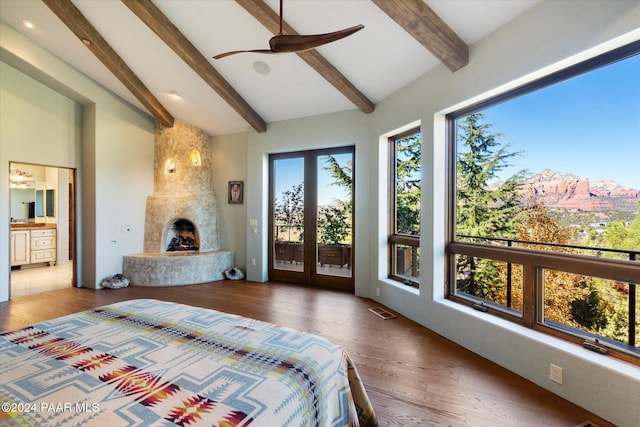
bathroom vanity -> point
(33, 243)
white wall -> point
(124, 179)
(62, 215)
(70, 121)
(37, 125)
(548, 37)
(229, 164)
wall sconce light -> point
(194, 158)
(170, 166)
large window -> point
(404, 228)
(545, 202)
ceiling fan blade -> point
(283, 43)
(233, 52)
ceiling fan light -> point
(261, 67)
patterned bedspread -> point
(148, 362)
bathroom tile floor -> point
(32, 280)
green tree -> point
(617, 326)
(624, 236)
(289, 210)
(342, 174)
(334, 223)
(483, 208)
(589, 311)
(620, 235)
(408, 177)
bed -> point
(148, 362)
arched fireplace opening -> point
(182, 236)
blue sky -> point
(290, 172)
(588, 126)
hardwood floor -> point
(413, 376)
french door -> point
(311, 217)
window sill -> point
(569, 349)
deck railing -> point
(631, 255)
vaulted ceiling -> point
(157, 54)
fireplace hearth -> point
(181, 239)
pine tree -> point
(341, 174)
(483, 210)
(408, 158)
(334, 222)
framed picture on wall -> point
(236, 192)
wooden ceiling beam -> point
(419, 20)
(271, 20)
(153, 17)
(90, 37)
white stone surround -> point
(181, 192)
(176, 268)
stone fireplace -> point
(181, 240)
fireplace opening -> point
(182, 236)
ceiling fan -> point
(288, 43)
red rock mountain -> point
(571, 192)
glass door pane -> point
(334, 210)
(311, 217)
(288, 214)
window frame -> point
(395, 238)
(534, 262)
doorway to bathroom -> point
(43, 228)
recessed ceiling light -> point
(28, 24)
(261, 67)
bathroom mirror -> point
(45, 203)
(39, 203)
(50, 204)
(22, 204)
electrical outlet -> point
(253, 262)
(555, 373)
(377, 292)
